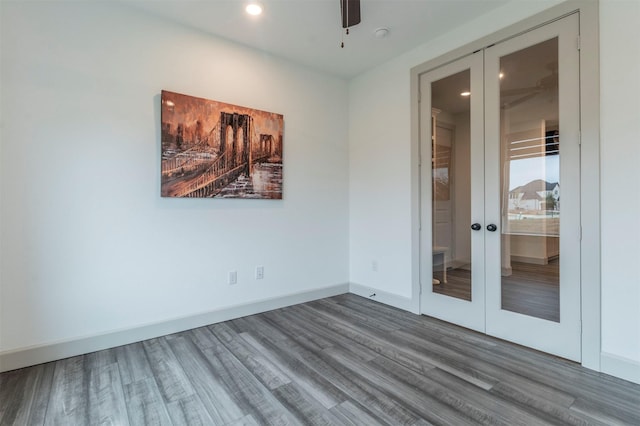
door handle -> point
(476, 227)
(491, 227)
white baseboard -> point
(404, 303)
(621, 367)
(24, 357)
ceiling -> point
(308, 32)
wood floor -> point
(338, 361)
(530, 289)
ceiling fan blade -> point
(520, 91)
(516, 102)
(350, 12)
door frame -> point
(590, 159)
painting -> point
(213, 149)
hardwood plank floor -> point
(531, 289)
(344, 360)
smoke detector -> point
(381, 32)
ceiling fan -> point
(350, 12)
(547, 83)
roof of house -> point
(531, 190)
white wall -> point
(380, 155)
(88, 244)
(379, 181)
(620, 182)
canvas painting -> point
(213, 149)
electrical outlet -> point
(374, 265)
(259, 272)
(233, 277)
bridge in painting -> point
(230, 149)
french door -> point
(500, 190)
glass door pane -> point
(451, 185)
(530, 181)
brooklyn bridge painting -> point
(216, 150)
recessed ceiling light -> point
(501, 75)
(465, 94)
(253, 9)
